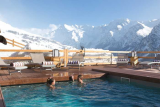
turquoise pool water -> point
(96, 93)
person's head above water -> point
(51, 81)
(80, 78)
(71, 78)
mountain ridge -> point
(121, 34)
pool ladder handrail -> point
(124, 78)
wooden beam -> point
(14, 45)
(18, 50)
(102, 51)
(98, 63)
(9, 39)
(25, 58)
(146, 57)
(19, 43)
(97, 57)
(120, 51)
(74, 50)
(15, 42)
(90, 51)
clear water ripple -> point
(96, 93)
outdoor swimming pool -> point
(97, 93)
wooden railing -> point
(66, 56)
(14, 43)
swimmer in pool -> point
(80, 79)
(71, 78)
(51, 82)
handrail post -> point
(66, 56)
(111, 58)
(13, 43)
(134, 58)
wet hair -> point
(71, 78)
(79, 77)
(49, 81)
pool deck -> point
(149, 75)
(31, 76)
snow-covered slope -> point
(152, 41)
(121, 34)
(31, 41)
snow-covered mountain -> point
(152, 41)
(121, 34)
(31, 41)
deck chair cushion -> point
(47, 63)
(20, 67)
(122, 59)
(156, 60)
(17, 64)
(73, 62)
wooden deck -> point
(30, 76)
(149, 75)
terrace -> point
(90, 70)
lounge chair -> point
(18, 66)
(122, 59)
(77, 60)
(39, 60)
(156, 61)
